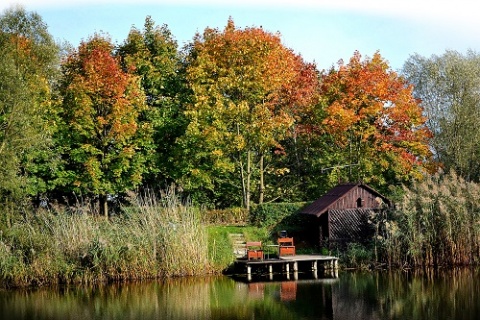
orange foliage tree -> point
(246, 95)
(375, 123)
(104, 138)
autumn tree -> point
(449, 89)
(246, 93)
(28, 64)
(105, 142)
(376, 126)
(152, 54)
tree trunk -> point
(262, 185)
(249, 173)
(103, 206)
(244, 187)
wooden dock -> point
(293, 263)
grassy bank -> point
(152, 238)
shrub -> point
(269, 215)
(357, 256)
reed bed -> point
(153, 237)
(436, 223)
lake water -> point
(453, 294)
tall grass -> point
(155, 237)
(437, 223)
(178, 239)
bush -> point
(269, 215)
(357, 256)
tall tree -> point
(106, 144)
(245, 96)
(152, 54)
(28, 64)
(449, 89)
(377, 127)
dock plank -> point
(328, 262)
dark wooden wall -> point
(349, 201)
(350, 225)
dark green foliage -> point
(152, 54)
(269, 215)
(357, 256)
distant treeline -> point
(232, 119)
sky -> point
(322, 31)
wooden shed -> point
(342, 214)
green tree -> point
(106, 145)
(449, 89)
(245, 96)
(307, 158)
(28, 67)
(152, 55)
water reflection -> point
(383, 295)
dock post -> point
(330, 264)
(314, 265)
(295, 266)
(287, 270)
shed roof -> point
(325, 202)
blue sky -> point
(322, 31)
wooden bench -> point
(254, 250)
(286, 247)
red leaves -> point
(102, 104)
(108, 93)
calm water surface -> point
(451, 294)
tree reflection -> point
(449, 294)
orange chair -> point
(254, 250)
(286, 247)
